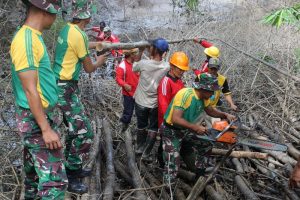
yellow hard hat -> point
(212, 52)
(180, 60)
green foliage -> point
(192, 4)
(289, 15)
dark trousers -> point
(128, 104)
(146, 117)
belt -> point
(172, 127)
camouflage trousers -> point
(45, 175)
(173, 142)
(80, 135)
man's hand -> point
(127, 87)
(51, 139)
(100, 60)
(200, 130)
(233, 107)
(230, 117)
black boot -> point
(80, 173)
(124, 127)
(140, 141)
(76, 186)
(150, 141)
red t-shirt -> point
(125, 75)
(100, 34)
(167, 89)
(203, 68)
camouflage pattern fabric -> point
(45, 175)
(80, 134)
(81, 9)
(50, 6)
(173, 140)
(206, 81)
(195, 153)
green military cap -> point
(206, 81)
(50, 6)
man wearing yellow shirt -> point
(71, 54)
(180, 124)
(35, 93)
(214, 65)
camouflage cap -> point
(206, 81)
(214, 63)
(50, 6)
(81, 9)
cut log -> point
(212, 193)
(186, 175)
(132, 166)
(110, 178)
(95, 152)
(243, 187)
(282, 157)
(105, 46)
(241, 154)
(202, 181)
(238, 165)
(121, 170)
(179, 193)
(293, 151)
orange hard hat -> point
(180, 60)
(220, 125)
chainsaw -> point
(225, 132)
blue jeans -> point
(128, 104)
(146, 117)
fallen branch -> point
(202, 181)
(133, 169)
(244, 188)
(241, 154)
(110, 178)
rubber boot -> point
(150, 141)
(81, 173)
(140, 141)
(76, 186)
(124, 127)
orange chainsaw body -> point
(229, 136)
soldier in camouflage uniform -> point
(179, 125)
(35, 91)
(72, 52)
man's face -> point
(102, 28)
(213, 71)
(49, 19)
(205, 94)
(177, 72)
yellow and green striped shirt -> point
(187, 100)
(28, 52)
(71, 49)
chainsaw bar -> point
(262, 144)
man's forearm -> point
(228, 98)
(213, 112)
(183, 123)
